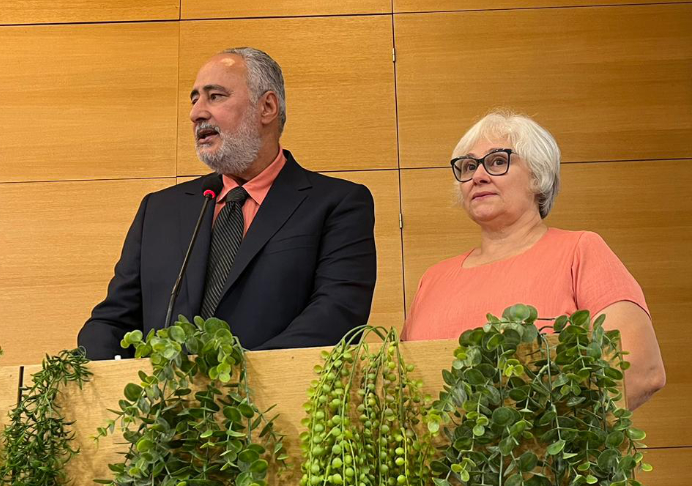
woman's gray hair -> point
(530, 141)
(263, 74)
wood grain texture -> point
(43, 11)
(623, 203)
(668, 467)
(9, 388)
(339, 86)
(451, 5)
(88, 101)
(609, 83)
(197, 9)
(57, 255)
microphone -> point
(210, 190)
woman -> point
(508, 172)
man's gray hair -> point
(263, 74)
(530, 141)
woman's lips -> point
(482, 195)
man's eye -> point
(214, 96)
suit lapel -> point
(197, 266)
(284, 197)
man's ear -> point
(268, 108)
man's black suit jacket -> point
(304, 274)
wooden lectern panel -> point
(58, 247)
(42, 11)
(451, 5)
(88, 101)
(609, 83)
(669, 467)
(339, 86)
(623, 203)
(197, 9)
(277, 377)
(9, 389)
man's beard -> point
(238, 150)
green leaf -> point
(132, 391)
(636, 434)
(177, 334)
(556, 447)
(614, 439)
(474, 377)
(260, 466)
(560, 323)
(528, 461)
(514, 480)
(246, 410)
(502, 416)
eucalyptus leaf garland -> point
(37, 443)
(192, 421)
(520, 411)
(363, 417)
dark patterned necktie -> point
(225, 241)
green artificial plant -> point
(192, 421)
(519, 409)
(37, 443)
(363, 417)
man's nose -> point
(199, 111)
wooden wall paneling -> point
(339, 86)
(669, 467)
(9, 388)
(388, 303)
(452, 5)
(609, 83)
(644, 214)
(199, 9)
(59, 244)
(88, 101)
(41, 12)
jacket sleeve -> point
(344, 278)
(121, 311)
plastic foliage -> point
(518, 410)
(364, 416)
(37, 442)
(192, 421)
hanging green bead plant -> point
(364, 415)
(38, 443)
(518, 410)
(192, 421)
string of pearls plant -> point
(364, 413)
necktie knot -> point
(237, 195)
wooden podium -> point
(277, 377)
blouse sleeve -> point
(599, 277)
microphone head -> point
(212, 187)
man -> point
(286, 256)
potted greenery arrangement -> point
(522, 408)
(192, 421)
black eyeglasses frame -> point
(481, 161)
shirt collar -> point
(257, 187)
